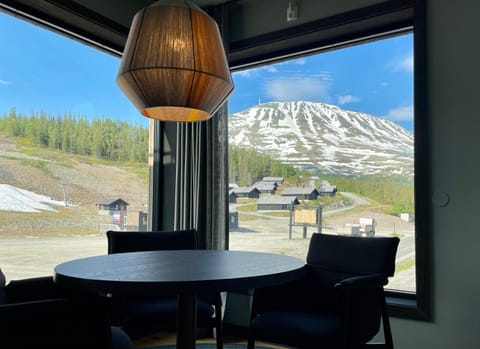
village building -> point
(266, 187)
(232, 197)
(300, 193)
(277, 180)
(247, 192)
(276, 202)
(110, 206)
(327, 190)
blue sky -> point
(41, 70)
(375, 78)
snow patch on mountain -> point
(20, 200)
(324, 138)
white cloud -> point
(345, 99)
(5, 82)
(244, 73)
(255, 72)
(300, 61)
(320, 75)
(402, 113)
(297, 88)
(404, 64)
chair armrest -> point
(360, 303)
(30, 289)
(362, 281)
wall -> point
(453, 91)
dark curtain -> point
(201, 179)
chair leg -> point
(251, 342)
(387, 332)
(219, 327)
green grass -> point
(38, 164)
(405, 265)
(41, 165)
(69, 160)
(9, 157)
(65, 221)
(400, 236)
(141, 172)
(278, 214)
(327, 200)
(246, 200)
(247, 208)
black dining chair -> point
(140, 316)
(340, 303)
(35, 313)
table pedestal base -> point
(186, 320)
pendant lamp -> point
(174, 66)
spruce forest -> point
(246, 166)
(101, 138)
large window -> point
(325, 142)
(362, 174)
(73, 151)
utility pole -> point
(65, 196)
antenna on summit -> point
(259, 101)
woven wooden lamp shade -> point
(174, 66)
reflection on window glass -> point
(324, 143)
(73, 151)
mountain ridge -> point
(324, 138)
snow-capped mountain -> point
(324, 138)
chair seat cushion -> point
(298, 328)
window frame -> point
(371, 22)
(356, 27)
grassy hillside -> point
(85, 180)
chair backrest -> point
(135, 241)
(353, 255)
(332, 258)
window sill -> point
(405, 305)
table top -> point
(154, 272)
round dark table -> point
(184, 272)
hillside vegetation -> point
(84, 180)
(104, 158)
(102, 138)
(395, 194)
(246, 166)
